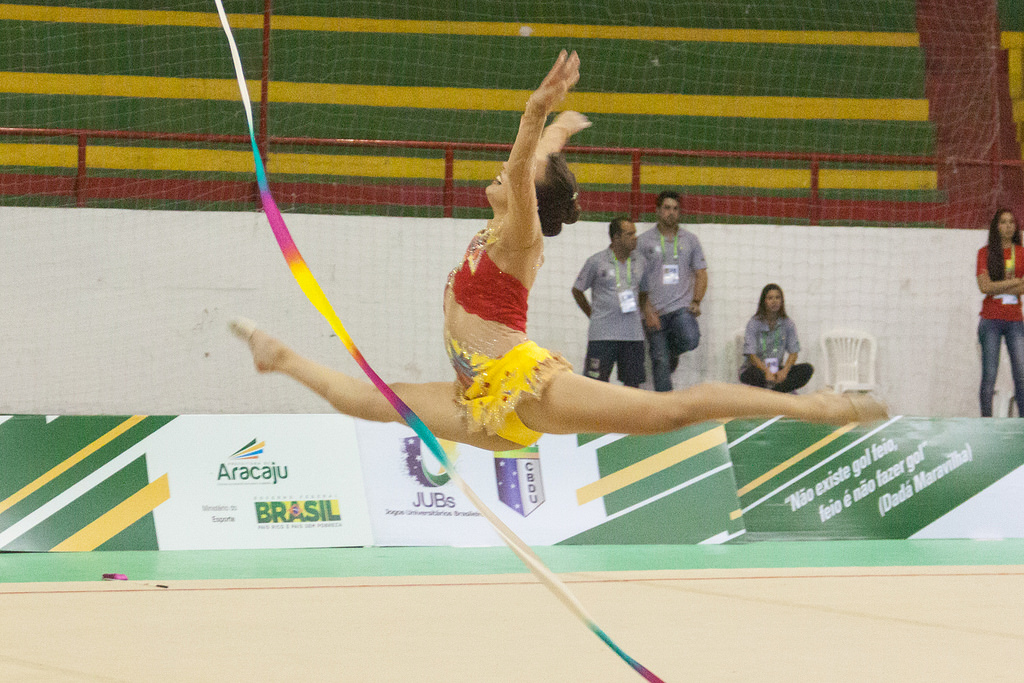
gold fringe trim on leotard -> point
(499, 383)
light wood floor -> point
(836, 624)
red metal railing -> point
(812, 207)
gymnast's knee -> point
(677, 409)
(689, 406)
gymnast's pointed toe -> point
(243, 328)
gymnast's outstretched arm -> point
(521, 226)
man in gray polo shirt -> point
(677, 279)
(615, 278)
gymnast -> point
(508, 390)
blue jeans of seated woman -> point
(679, 333)
(989, 334)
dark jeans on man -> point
(799, 375)
(602, 355)
(989, 334)
(679, 333)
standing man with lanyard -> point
(616, 333)
(678, 280)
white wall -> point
(113, 311)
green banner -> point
(58, 475)
(82, 483)
(674, 488)
(888, 480)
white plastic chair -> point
(849, 360)
(734, 355)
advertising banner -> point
(579, 489)
(674, 488)
(81, 483)
(78, 483)
(412, 500)
(902, 478)
(259, 481)
(190, 482)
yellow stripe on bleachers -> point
(711, 176)
(370, 166)
(850, 179)
(473, 28)
(124, 86)
(117, 519)
(365, 166)
(84, 15)
(39, 155)
(745, 106)
(469, 98)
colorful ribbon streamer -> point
(316, 296)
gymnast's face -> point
(497, 192)
(773, 301)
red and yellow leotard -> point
(485, 336)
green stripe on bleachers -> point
(709, 68)
(1011, 15)
(825, 79)
(326, 121)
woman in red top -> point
(1000, 272)
(508, 390)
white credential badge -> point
(627, 302)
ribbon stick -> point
(316, 296)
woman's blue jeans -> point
(989, 334)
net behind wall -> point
(705, 83)
(737, 80)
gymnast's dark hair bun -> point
(557, 203)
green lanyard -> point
(1011, 264)
(675, 245)
(629, 270)
(776, 338)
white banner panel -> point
(259, 481)
(991, 514)
(413, 502)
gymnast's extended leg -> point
(572, 404)
(434, 402)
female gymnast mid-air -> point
(508, 390)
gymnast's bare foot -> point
(268, 354)
(842, 409)
(867, 408)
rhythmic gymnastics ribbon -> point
(311, 288)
